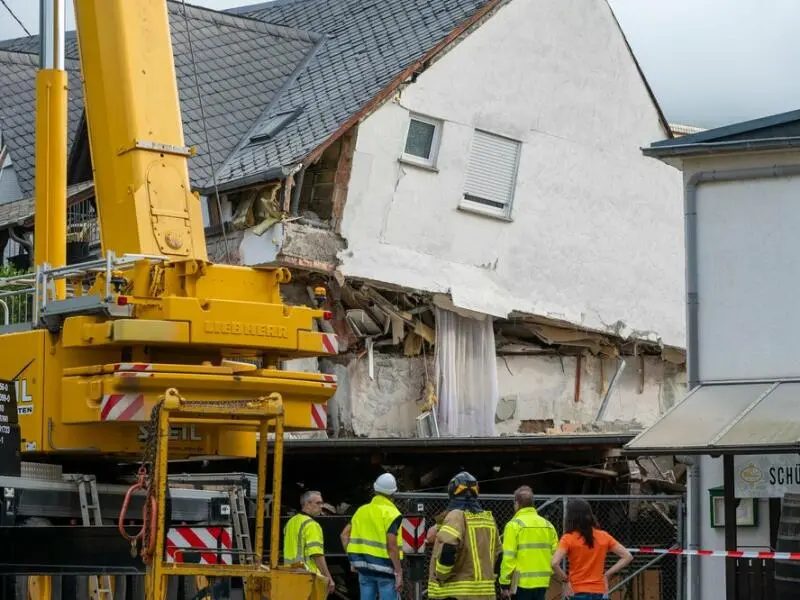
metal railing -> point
(24, 298)
(633, 520)
(82, 222)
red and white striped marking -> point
(319, 416)
(413, 530)
(123, 407)
(139, 367)
(330, 343)
(211, 541)
(329, 381)
(719, 553)
(128, 370)
(131, 374)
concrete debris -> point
(403, 316)
(385, 405)
(535, 335)
(312, 219)
(656, 475)
(536, 426)
(305, 244)
(222, 250)
(404, 323)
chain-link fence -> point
(634, 521)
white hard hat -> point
(385, 484)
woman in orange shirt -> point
(585, 548)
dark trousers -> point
(531, 594)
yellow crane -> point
(151, 335)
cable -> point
(205, 132)
(515, 476)
(16, 18)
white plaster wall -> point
(712, 570)
(388, 405)
(544, 388)
(385, 406)
(596, 236)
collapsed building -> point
(500, 260)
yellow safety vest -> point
(367, 548)
(529, 542)
(302, 541)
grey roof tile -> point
(258, 61)
(18, 108)
(369, 43)
(227, 50)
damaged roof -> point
(370, 42)
(242, 66)
(278, 79)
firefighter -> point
(529, 542)
(466, 548)
(303, 541)
(371, 543)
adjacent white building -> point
(739, 422)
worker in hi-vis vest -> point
(302, 538)
(371, 542)
(529, 542)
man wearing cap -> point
(370, 540)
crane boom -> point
(141, 173)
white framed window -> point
(491, 174)
(422, 141)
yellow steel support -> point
(277, 467)
(50, 241)
(259, 579)
(40, 587)
(263, 434)
(141, 175)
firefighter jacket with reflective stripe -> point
(474, 534)
(367, 548)
(302, 540)
(529, 542)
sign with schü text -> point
(767, 476)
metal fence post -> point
(564, 528)
(681, 541)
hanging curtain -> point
(466, 375)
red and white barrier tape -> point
(719, 553)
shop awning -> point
(727, 418)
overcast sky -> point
(709, 62)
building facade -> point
(470, 191)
